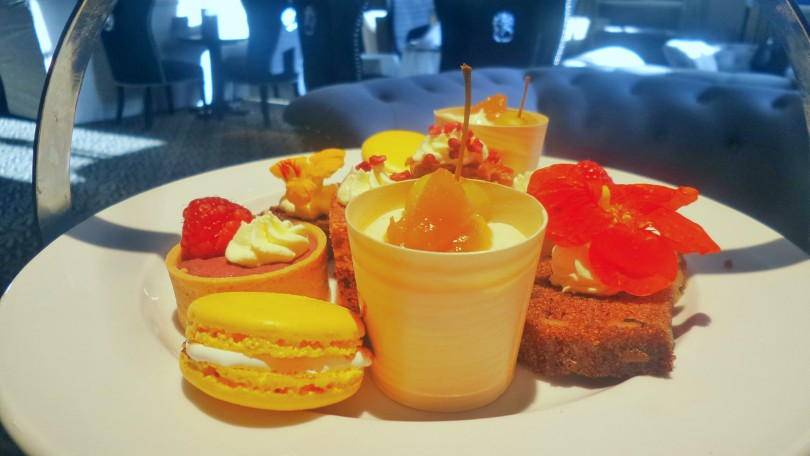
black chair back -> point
(512, 33)
(329, 31)
(264, 23)
(288, 62)
(3, 105)
(130, 46)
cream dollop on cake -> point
(267, 239)
(571, 270)
(360, 181)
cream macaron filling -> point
(228, 358)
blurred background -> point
(199, 84)
(177, 87)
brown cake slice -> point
(616, 336)
(344, 269)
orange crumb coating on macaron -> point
(291, 352)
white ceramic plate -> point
(88, 358)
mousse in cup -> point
(518, 138)
(445, 325)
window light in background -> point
(41, 30)
(231, 22)
(288, 19)
(576, 28)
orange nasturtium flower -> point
(633, 232)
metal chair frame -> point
(57, 110)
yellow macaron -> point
(396, 145)
(273, 351)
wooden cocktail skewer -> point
(526, 80)
(467, 71)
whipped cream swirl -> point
(438, 147)
(267, 239)
(361, 181)
(476, 118)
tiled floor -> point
(110, 163)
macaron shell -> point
(257, 391)
(260, 346)
(276, 316)
(396, 145)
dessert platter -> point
(426, 294)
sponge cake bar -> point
(615, 336)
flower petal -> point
(645, 198)
(570, 194)
(635, 261)
(685, 235)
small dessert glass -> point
(520, 146)
(445, 327)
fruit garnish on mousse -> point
(516, 134)
(441, 149)
(445, 213)
(494, 110)
(442, 215)
(307, 197)
(610, 238)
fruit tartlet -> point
(602, 303)
(225, 248)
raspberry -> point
(475, 145)
(375, 160)
(209, 224)
(430, 160)
(451, 127)
(401, 176)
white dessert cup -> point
(519, 145)
(445, 327)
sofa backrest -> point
(742, 144)
(346, 114)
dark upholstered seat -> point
(345, 114)
(742, 141)
(745, 145)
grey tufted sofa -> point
(740, 139)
